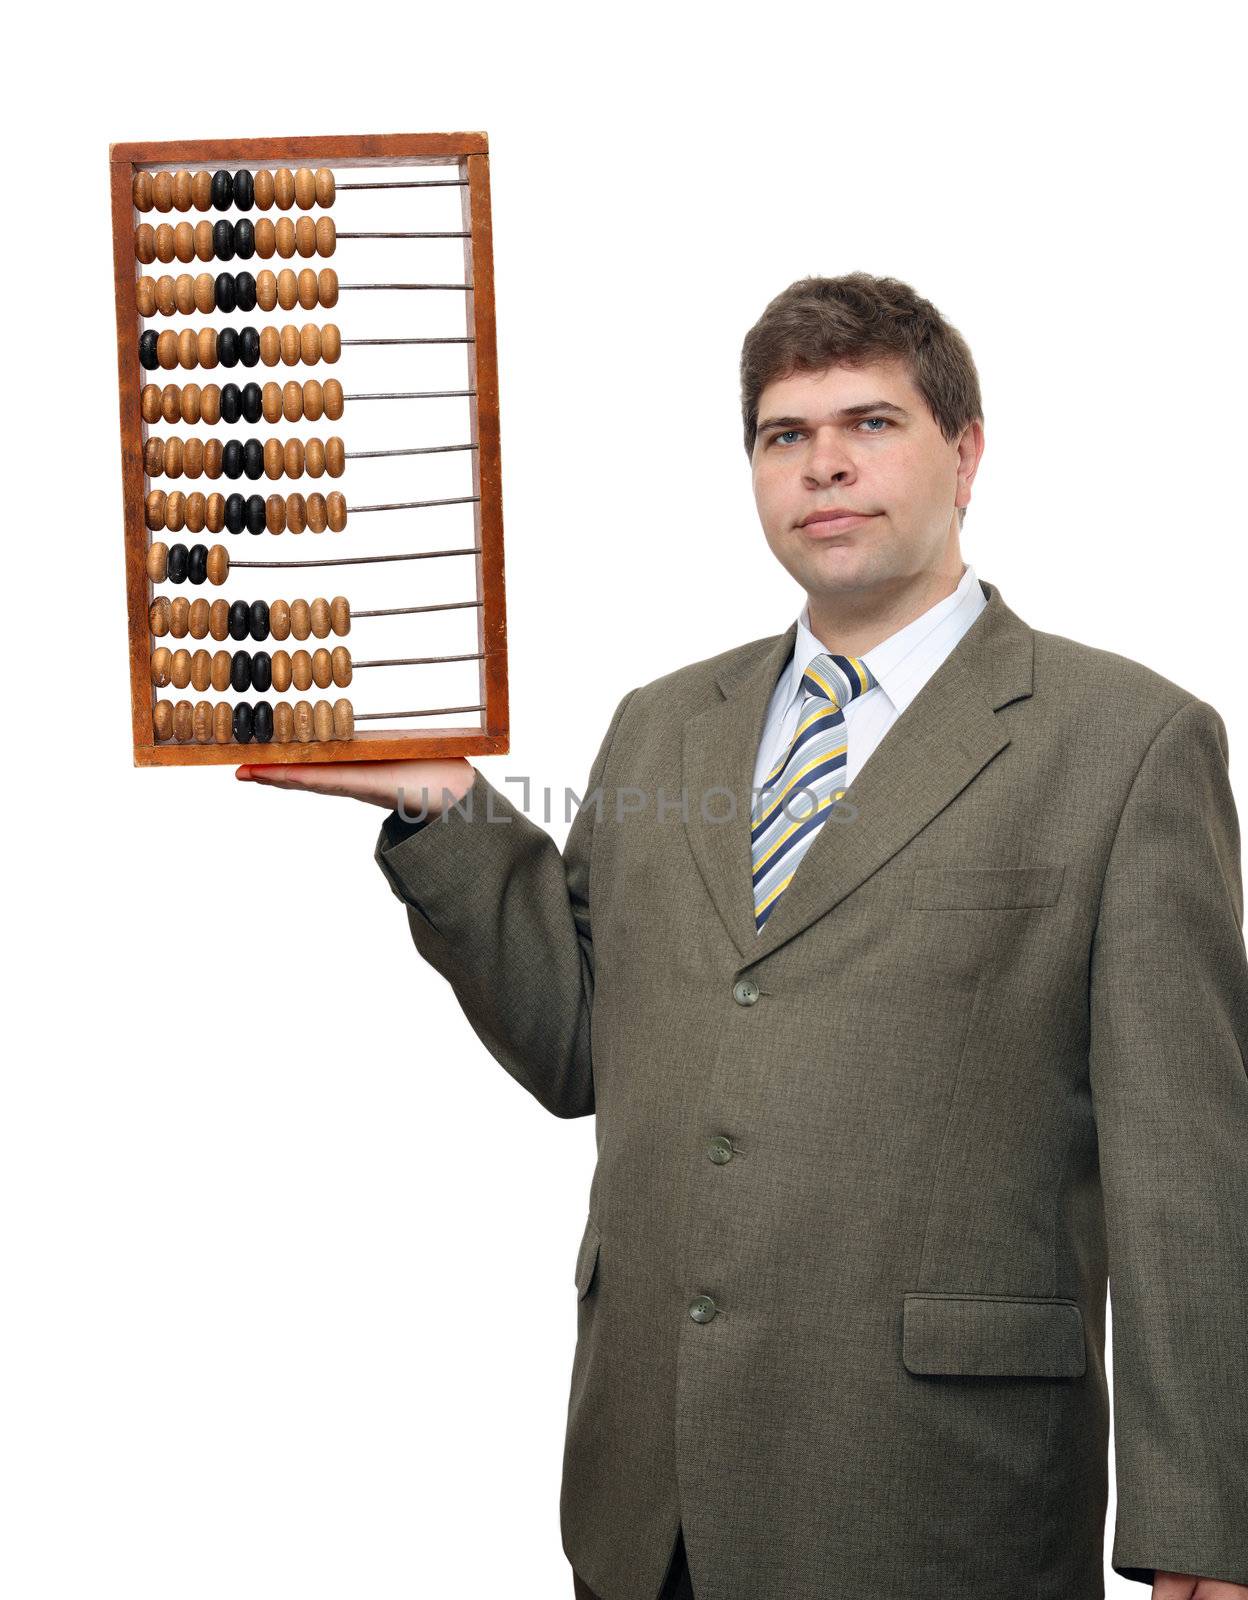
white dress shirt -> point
(902, 663)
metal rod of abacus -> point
(404, 611)
(427, 711)
(352, 561)
(419, 661)
(461, 338)
(460, 286)
(412, 505)
(417, 394)
(411, 450)
(460, 234)
(408, 183)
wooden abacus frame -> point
(469, 153)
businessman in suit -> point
(899, 957)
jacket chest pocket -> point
(987, 888)
(992, 1335)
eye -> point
(885, 420)
(776, 437)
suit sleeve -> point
(503, 915)
(1169, 1025)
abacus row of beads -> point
(218, 191)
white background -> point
(287, 1257)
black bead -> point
(231, 402)
(262, 671)
(225, 291)
(147, 349)
(232, 458)
(245, 287)
(253, 458)
(235, 513)
(223, 240)
(227, 347)
(255, 513)
(240, 671)
(243, 725)
(262, 721)
(244, 190)
(240, 615)
(197, 563)
(248, 346)
(222, 190)
(253, 402)
(178, 559)
(258, 619)
(244, 239)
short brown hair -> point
(853, 320)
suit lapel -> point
(944, 738)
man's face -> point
(859, 439)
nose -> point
(827, 460)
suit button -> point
(745, 991)
(703, 1308)
(720, 1150)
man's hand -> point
(418, 785)
(1174, 1586)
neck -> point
(854, 621)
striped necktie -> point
(813, 765)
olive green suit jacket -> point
(862, 1179)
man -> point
(895, 1060)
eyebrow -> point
(845, 411)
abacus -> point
(405, 220)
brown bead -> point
(270, 345)
(163, 242)
(157, 561)
(184, 242)
(304, 729)
(204, 248)
(183, 721)
(171, 402)
(307, 288)
(282, 672)
(188, 347)
(162, 191)
(283, 723)
(154, 456)
(327, 283)
(313, 400)
(331, 342)
(205, 292)
(287, 289)
(181, 405)
(340, 615)
(324, 187)
(218, 564)
(310, 343)
(199, 619)
(317, 514)
(196, 512)
(215, 520)
(274, 458)
(300, 619)
(284, 237)
(219, 619)
(266, 290)
(175, 511)
(165, 302)
(167, 349)
(306, 233)
(141, 191)
(314, 457)
(150, 403)
(318, 616)
(154, 509)
(162, 667)
(322, 669)
(180, 669)
(222, 665)
(290, 344)
(193, 457)
(273, 402)
(279, 619)
(223, 723)
(201, 670)
(301, 667)
(158, 616)
(145, 243)
(341, 662)
(145, 296)
(179, 616)
(182, 190)
(292, 401)
(336, 507)
(204, 713)
(162, 720)
(283, 189)
(325, 235)
(323, 720)
(210, 404)
(184, 294)
(207, 344)
(201, 190)
(333, 399)
(263, 184)
(266, 238)
(296, 512)
(275, 513)
(344, 719)
(305, 188)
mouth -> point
(824, 522)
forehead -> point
(803, 393)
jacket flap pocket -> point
(586, 1258)
(968, 888)
(992, 1335)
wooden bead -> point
(188, 346)
(199, 619)
(341, 664)
(154, 509)
(300, 619)
(158, 616)
(190, 407)
(344, 719)
(314, 458)
(331, 342)
(273, 402)
(180, 669)
(340, 615)
(218, 564)
(193, 456)
(274, 458)
(222, 669)
(266, 290)
(171, 402)
(279, 619)
(167, 349)
(204, 713)
(318, 617)
(162, 191)
(207, 347)
(335, 456)
(141, 191)
(296, 513)
(306, 235)
(266, 238)
(145, 243)
(287, 290)
(322, 669)
(324, 187)
(150, 403)
(291, 457)
(223, 723)
(270, 345)
(173, 457)
(214, 521)
(184, 242)
(162, 720)
(305, 188)
(281, 670)
(290, 344)
(283, 723)
(292, 401)
(157, 561)
(175, 511)
(308, 289)
(184, 294)
(304, 729)
(333, 399)
(183, 721)
(325, 236)
(201, 190)
(163, 243)
(179, 616)
(162, 665)
(205, 292)
(336, 509)
(323, 720)
(205, 247)
(284, 237)
(154, 456)
(309, 343)
(182, 190)
(317, 514)
(145, 296)
(283, 189)
(275, 513)
(166, 305)
(263, 185)
(201, 670)
(196, 512)
(218, 616)
(301, 668)
(211, 403)
(313, 400)
(327, 283)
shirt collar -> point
(894, 661)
